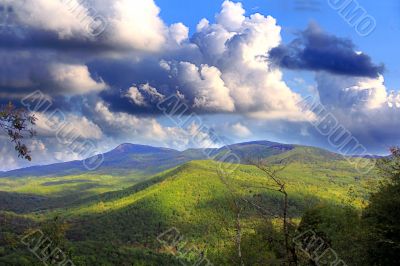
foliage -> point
(341, 229)
(370, 236)
(17, 122)
(115, 220)
(382, 215)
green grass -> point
(193, 199)
(128, 215)
(65, 185)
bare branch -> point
(238, 211)
(273, 174)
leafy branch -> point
(18, 124)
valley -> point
(120, 210)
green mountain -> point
(124, 159)
(119, 214)
(140, 159)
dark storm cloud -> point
(123, 74)
(33, 39)
(318, 51)
(65, 104)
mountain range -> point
(114, 214)
(134, 158)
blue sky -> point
(382, 44)
(240, 74)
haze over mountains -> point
(133, 158)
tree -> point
(238, 209)
(280, 187)
(340, 229)
(18, 124)
(382, 215)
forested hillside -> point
(122, 217)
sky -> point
(99, 73)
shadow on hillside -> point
(27, 203)
(21, 203)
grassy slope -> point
(193, 199)
(24, 195)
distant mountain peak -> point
(138, 148)
(128, 146)
(260, 142)
(128, 158)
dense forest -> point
(269, 212)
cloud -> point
(60, 16)
(127, 124)
(178, 32)
(234, 46)
(152, 93)
(240, 130)
(206, 85)
(7, 155)
(137, 24)
(46, 150)
(351, 92)
(141, 99)
(219, 70)
(63, 125)
(74, 79)
(51, 44)
(359, 104)
(231, 16)
(318, 51)
(130, 24)
(135, 95)
(24, 72)
(230, 66)
(56, 133)
(150, 131)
